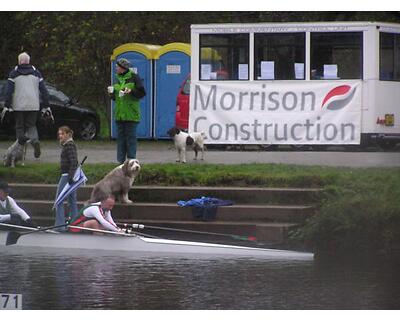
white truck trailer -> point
(319, 83)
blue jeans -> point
(126, 140)
(73, 207)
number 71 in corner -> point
(10, 301)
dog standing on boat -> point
(183, 139)
(16, 152)
(117, 182)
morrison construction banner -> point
(276, 113)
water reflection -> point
(85, 280)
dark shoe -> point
(36, 149)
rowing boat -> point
(136, 245)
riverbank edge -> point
(358, 212)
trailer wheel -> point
(268, 147)
(300, 147)
(319, 147)
(387, 145)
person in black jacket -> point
(24, 86)
(68, 166)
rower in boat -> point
(10, 211)
(96, 216)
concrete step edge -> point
(167, 204)
(217, 222)
(154, 187)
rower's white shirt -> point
(14, 209)
(106, 221)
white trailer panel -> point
(243, 71)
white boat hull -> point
(137, 245)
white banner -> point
(276, 113)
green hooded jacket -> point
(127, 107)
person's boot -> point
(36, 149)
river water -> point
(51, 280)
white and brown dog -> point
(117, 182)
(16, 152)
(183, 139)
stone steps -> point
(272, 232)
(260, 212)
(169, 211)
(174, 194)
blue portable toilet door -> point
(171, 70)
(143, 67)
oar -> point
(233, 236)
(15, 226)
(13, 236)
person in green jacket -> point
(127, 91)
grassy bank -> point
(359, 211)
(267, 175)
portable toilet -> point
(141, 57)
(172, 65)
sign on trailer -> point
(308, 83)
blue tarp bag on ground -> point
(204, 208)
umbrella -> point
(79, 178)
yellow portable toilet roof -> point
(148, 50)
(210, 54)
(174, 46)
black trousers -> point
(25, 125)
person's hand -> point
(125, 91)
(46, 111)
(71, 181)
(3, 113)
(30, 223)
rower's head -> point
(4, 190)
(108, 202)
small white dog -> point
(117, 182)
(16, 152)
(183, 139)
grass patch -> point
(263, 175)
(359, 214)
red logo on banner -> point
(338, 97)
